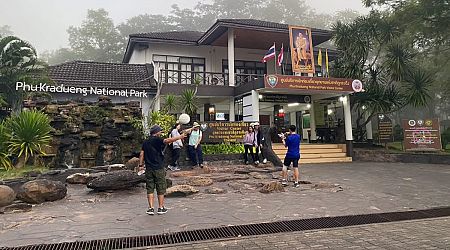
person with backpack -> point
(176, 147)
(194, 147)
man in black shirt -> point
(155, 173)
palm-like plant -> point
(189, 102)
(170, 103)
(5, 161)
(28, 132)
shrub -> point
(224, 148)
(5, 162)
(166, 121)
(28, 132)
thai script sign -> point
(285, 98)
(49, 88)
(318, 84)
(220, 132)
(385, 129)
(422, 134)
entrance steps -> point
(316, 153)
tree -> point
(144, 24)
(18, 62)
(5, 30)
(59, 56)
(189, 102)
(97, 38)
(373, 50)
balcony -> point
(203, 78)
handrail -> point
(203, 77)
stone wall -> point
(91, 134)
(380, 155)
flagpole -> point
(275, 59)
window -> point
(238, 109)
(184, 70)
(244, 70)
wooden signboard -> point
(385, 130)
(422, 134)
(223, 132)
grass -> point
(19, 172)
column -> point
(312, 122)
(348, 125)
(232, 115)
(369, 129)
(255, 105)
(231, 57)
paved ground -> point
(419, 234)
(367, 188)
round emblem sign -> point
(272, 80)
(357, 86)
(412, 123)
(307, 99)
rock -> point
(215, 190)
(322, 185)
(89, 134)
(15, 184)
(17, 207)
(234, 177)
(199, 181)
(273, 186)
(61, 175)
(242, 171)
(116, 167)
(265, 165)
(116, 180)
(183, 173)
(260, 176)
(180, 191)
(7, 195)
(42, 190)
(305, 182)
(32, 173)
(132, 164)
(83, 178)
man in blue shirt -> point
(292, 142)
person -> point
(259, 141)
(176, 147)
(249, 142)
(194, 148)
(292, 142)
(151, 159)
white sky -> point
(44, 22)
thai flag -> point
(280, 57)
(270, 54)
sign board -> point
(313, 84)
(385, 129)
(422, 134)
(220, 116)
(224, 132)
(302, 53)
(285, 98)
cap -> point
(155, 129)
(196, 124)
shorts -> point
(294, 161)
(156, 179)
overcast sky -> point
(44, 22)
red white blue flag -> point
(270, 53)
(280, 57)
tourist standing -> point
(195, 148)
(292, 142)
(259, 141)
(176, 147)
(152, 159)
(249, 142)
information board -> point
(224, 132)
(422, 134)
(385, 129)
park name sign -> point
(85, 91)
(224, 132)
(422, 134)
(316, 84)
(385, 129)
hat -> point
(155, 129)
(196, 125)
(252, 124)
(256, 124)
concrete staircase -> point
(316, 153)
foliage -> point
(18, 62)
(96, 114)
(5, 30)
(445, 138)
(20, 172)
(189, 102)
(5, 162)
(28, 132)
(224, 148)
(398, 133)
(162, 119)
(170, 103)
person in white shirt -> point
(176, 148)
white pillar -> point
(255, 105)
(368, 127)
(231, 57)
(157, 106)
(312, 121)
(232, 109)
(347, 119)
(293, 120)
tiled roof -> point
(118, 75)
(256, 23)
(188, 36)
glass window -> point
(177, 69)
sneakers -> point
(150, 211)
(256, 162)
(162, 210)
(265, 161)
(284, 182)
(172, 168)
(246, 162)
(296, 184)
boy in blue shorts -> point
(292, 142)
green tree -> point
(59, 56)
(189, 102)
(97, 38)
(144, 24)
(18, 62)
(5, 161)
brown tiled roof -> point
(256, 23)
(113, 75)
(188, 36)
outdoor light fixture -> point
(330, 111)
(342, 98)
(308, 106)
(281, 111)
(293, 104)
(211, 110)
(260, 96)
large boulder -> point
(42, 190)
(180, 191)
(82, 178)
(215, 190)
(200, 181)
(132, 164)
(273, 186)
(116, 180)
(7, 195)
